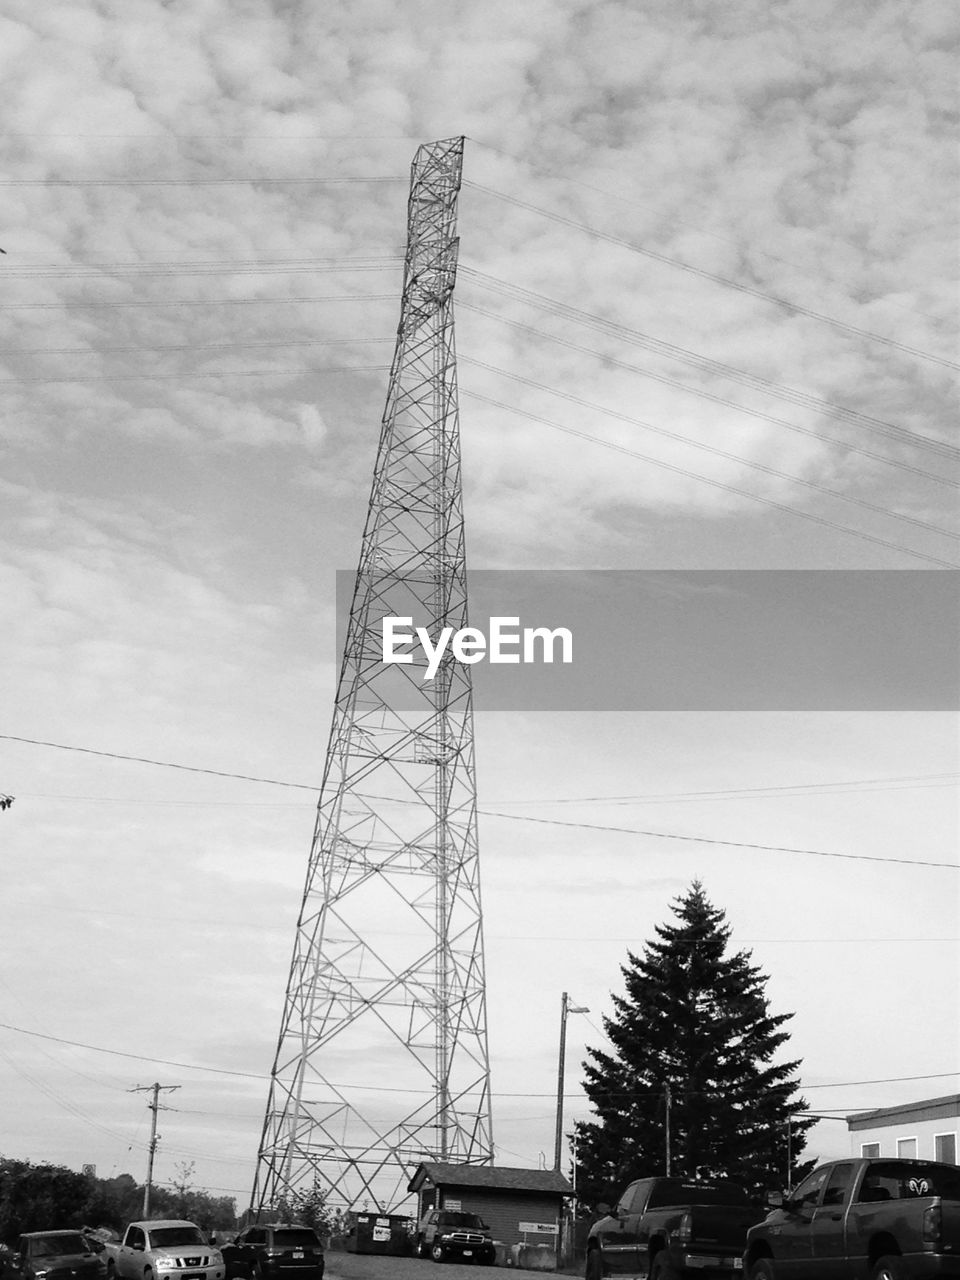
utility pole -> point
(154, 1107)
(666, 1092)
(565, 1008)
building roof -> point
(482, 1175)
(927, 1109)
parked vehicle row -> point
(877, 1219)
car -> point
(280, 1251)
(450, 1233)
(55, 1255)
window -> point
(632, 1199)
(808, 1192)
(945, 1147)
(889, 1180)
(171, 1237)
(837, 1184)
(907, 1148)
(869, 1150)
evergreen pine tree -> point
(693, 1041)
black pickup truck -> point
(862, 1220)
(665, 1228)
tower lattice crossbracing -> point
(382, 1057)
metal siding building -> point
(926, 1130)
(503, 1198)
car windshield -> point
(295, 1238)
(452, 1219)
(169, 1237)
(57, 1246)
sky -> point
(706, 319)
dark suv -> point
(59, 1255)
(282, 1251)
(448, 1233)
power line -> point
(377, 1088)
(684, 222)
(254, 179)
(735, 844)
(704, 363)
(211, 267)
(712, 396)
(491, 813)
(190, 375)
(164, 764)
(739, 286)
(193, 346)
(735, 793)
(709, 448)
(716, 484)
(193, 302)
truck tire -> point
(762, 1269)
(663, 1269)
(437, 1253)
(889, 1267)
(423, 1250)
(595, 1268)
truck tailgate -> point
(950, 1228)
(722, 1227)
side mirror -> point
(776, 1199)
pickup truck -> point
(878, 1219)
(665, 1228)
(454, 1234)
(163, 1250)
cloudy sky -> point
(705, 321)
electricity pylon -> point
(382, 1058)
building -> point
(924, 1130)
(520, 1206)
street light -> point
(565, 1008)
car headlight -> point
(216, 1258)
(167, 1264)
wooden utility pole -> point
(154, 1107)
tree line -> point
(41, 1197)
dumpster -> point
(384, 1233)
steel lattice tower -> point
(387, 986)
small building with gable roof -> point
(520, 1206)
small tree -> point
(693, 1044)
(308, 1206)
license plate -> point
(194, 1275)
(298, 1253)
(468, 1253)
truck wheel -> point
(595, 1268)
(663, 1269)
(423, 1249)
(437, 1253)
(889, 1267)
(762, 1269)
